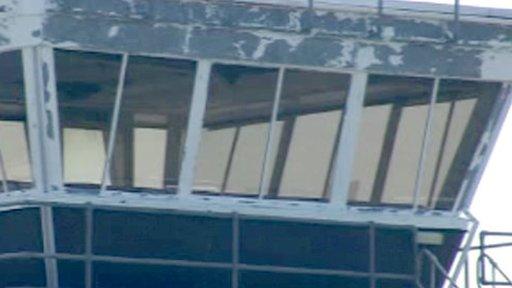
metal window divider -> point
(425, 146)
(44, 144)
(194, 127)
(235, 250)
(88, 246)
(114, 123)
(347, 142)
(42, 118)
(265, 173)
(48, 231)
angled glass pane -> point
(308, 128)
(235, 129)
(86, 88)
(390, 137)
(460, 118)
(14, 143)
(392, 132)
(152, 124)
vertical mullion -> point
(42, 118)
(425, 145)
(51, 135)
(44, 142)
(52, 275)
(88, 246)
(235, 250)
(115, 122)
(348, 140)
(3, 173)
(372, 250)
(265, 174)
(194, 127)
(34, 125)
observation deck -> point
(243, 143)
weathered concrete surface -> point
(20, 23)
(283, 35)
(264, 34)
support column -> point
(52, 274)
(194, 127)
(44, 133)
(348, 141)
(43, 118)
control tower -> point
(244, 144)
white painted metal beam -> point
(114, 123)
(43, 126)
(43, 118)
(425, 145)
(52, 274)
(194, 127)
(266, 173)
(275, 209)
(347, 143)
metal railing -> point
(498, 276)
(435, 269)
(485, 263)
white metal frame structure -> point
(47, 170)
(48, 190)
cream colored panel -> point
(399, 186)
(440, 115)
(84, 155)
(149, 157)
(369, 149)
(212, 159)
(245, 172)
(461, 114)
(309, 155)
(14, 147)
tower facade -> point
(245, 144)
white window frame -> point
(47, 163)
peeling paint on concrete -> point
(388, 33)
(396, 60)
(277, 35)
(46, 80)
(49, 123)
(496, 64)
(268, 34)
(365, 58)
(113, 31)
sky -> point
(481, 3)
(492, 204)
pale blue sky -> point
(481, 3)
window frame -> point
(31, 82)
(342, 165)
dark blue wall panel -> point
(388, 283)
(69, 224)
(282, 280)
(304, 245)
(130, 275)
(21, 231)
(71, 274)
(181, 237)
(395, 250)
(22, 273)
